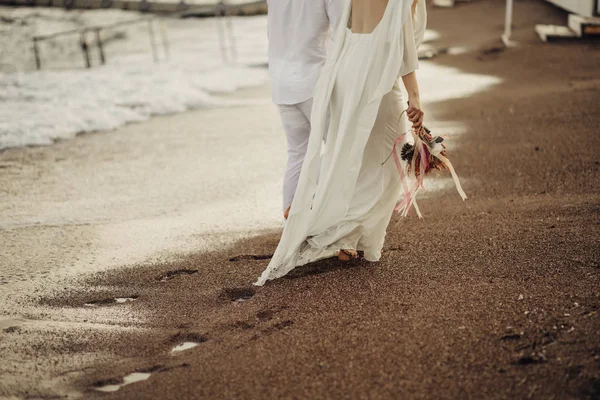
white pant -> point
(296, 123)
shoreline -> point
(493, 298)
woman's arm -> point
(414, 112)
(410, 63)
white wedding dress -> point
(346, 194)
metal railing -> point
(97, 32)
(225, 32)
(222, 13)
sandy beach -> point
(119, 246)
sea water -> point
(65, 99)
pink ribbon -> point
(401, 173)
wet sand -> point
(497, 297)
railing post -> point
(165, 40)
(144, 6)
(152, 40)
(229, 20)
(219, 13)
(36, 54)
(100, 46)
(85, 49)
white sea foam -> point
(40, 107)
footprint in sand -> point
(111, 300)
(237, 295)
(278, 326)
(11, 325)
(127, 380)
(173, 274)
(262, 318)
(186, 341)
(269, 313)
(251, 257)
(273, 328)
(184, 346)
(265, 315)
(114, 384)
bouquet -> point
(426, 154)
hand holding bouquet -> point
(414, 113)
(427, 153)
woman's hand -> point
(414, 113)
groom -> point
(298, 36)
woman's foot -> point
(286, 212)
(347, 255)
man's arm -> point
(334, 11)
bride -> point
(347, 193)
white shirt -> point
(298, 32)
